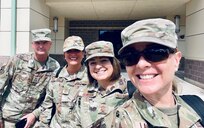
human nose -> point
(98, 65)
(41, 44)
(142, 62)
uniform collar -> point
(156, 118)
(79, 75)
(50, 64)
(119, 86)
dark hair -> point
(116, 70)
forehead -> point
(98, 58)
(140, 45)
(73, 51)
(41, 42)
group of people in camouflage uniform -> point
(91, 92)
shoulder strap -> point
(196, 103)
(131, 88)
(58, 71)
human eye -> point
(37, 43)
(104, 60)
(45, 42)
(92, 63)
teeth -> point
(100, 72)
(146, 76)
(73, 58)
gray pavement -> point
(186, 88)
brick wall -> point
(89, 30)
(194, 70)
(101, 23)
(88, 35)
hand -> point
(30, 120)
(1, 124)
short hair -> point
(116, 70)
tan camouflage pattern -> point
(160, 31)
(73, 42)
(41, 35)
(23, 82)
(62, 91)
(99, 48)
(9, 124)
(139, 113)
(94, 103)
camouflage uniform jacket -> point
(94, 103)
(61, 92)
(138, 113)
(23, 84)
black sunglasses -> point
(151, 54)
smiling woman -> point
(63, 87)
(101, 70)
(106, 90)
(151, 58)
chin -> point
(101, 78)
(41, 53)
(146, 91)
(74, 63)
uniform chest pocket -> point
(36, 91)
(41, 78)
(40, 83)
(21, 80)
(68, 99)
(22, 76)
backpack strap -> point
(131, 88)
(196, 103)
(58, 71)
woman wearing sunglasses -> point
(107, 89)
(151, 58)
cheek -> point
(167, 70)
(92, 73)
(48, 46)
(33, 46)
(65, 55)
(110, 66)
(130, 69)
(91, 69)
(173, 64)
(81, 56)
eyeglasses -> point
(151, 54)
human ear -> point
(178, 56)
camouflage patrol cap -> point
(73, 42)
(160, 31)
(41, 35)
(99, 48)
